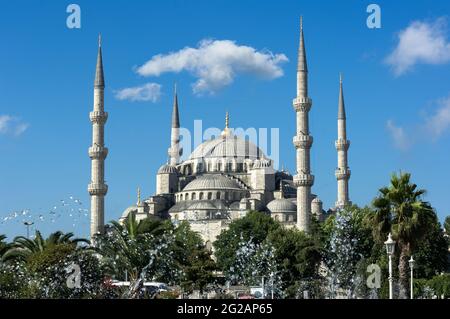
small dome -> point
(282, 205)
(167, 169)
(317, 200)
(129, 210)
(212, 181)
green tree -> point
(137, 253)
(156, 250)
(255, 226)
(431, 253)
(23, 248)
(198, 271)
(399, 208)
(3, 246)
(297, 256)
(50, 271)
(447, 225)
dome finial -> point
(227, 119)
(138, 195)
(226, 131)
(301, 22)
(99, 39)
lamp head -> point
(390, 245)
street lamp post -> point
(28, 224)
(390, 248)
(411, 266)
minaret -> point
(98, 152)
(303, 141)
(138, 196)
(174, 150)
(342, 144)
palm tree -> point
(3, 246)
(133, 228)
(401, 210)
(22, 247)
(124, 245)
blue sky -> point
(398, 111)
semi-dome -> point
(282, 205)
(212, 181)
(202, 205)
(228, 146)
(167, 169)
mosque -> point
(227, 176)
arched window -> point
(193, 196)
(277, 218)
(181, 196)
(218, 195)
(187, 196)
(201, 196)
(209, 195)
(219, 166)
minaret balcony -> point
(98, 152)
(303, 180)
(302, 104)
(98, 117)
(341, 205)
(303, 141)
(342, 173)
(342, 145)
(97, 189)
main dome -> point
(229, 146)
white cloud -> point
(215, 64)
(398, 135)
(439, 122)
(12, 125)
(420, 42)
(147, 92)
(431, 127)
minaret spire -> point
(138, 196)
(303, 140)
(99, 77)
(342, 145)
(341, 105)
(174, 150)
(97, 152)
